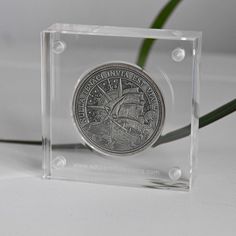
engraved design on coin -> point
(118, 109)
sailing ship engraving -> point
(120, 116)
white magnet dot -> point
(58, 47)
(178, 54)
(175, 173)
(59, 162)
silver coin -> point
(118, 109)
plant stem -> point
(205, 120)
(158, 23)
(144, 51)
(18, 141)
(183, 132)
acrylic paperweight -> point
(110, 118)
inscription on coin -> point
(118, 109)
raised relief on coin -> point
(118, 109)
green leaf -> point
(158, 23)
(205, 120)
(145, 48)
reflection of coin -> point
(118, 109)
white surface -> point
(32, 206)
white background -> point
(31, 206)
(24, 19)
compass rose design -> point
(120, 115)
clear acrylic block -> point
(102, 114)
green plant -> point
(158, 23)
(143, 53)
